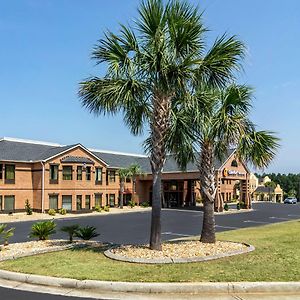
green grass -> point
(276, 258)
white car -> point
(290, 200)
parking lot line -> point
(173, 233)
(229, 227)
(256, 222)
(277, 218)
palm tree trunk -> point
(133, 189)
(159, 128)
(208, 193)
(121, 193)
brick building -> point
(77, 179)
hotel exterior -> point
(52, 176)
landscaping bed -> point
(276, 258)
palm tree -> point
(217, 122)
(135, 171)
(124, 173)
(150, 66)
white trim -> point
(72, 148)
(10, 139)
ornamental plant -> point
(71, 230)
(87, 232)
(28, 208)
(42, 230)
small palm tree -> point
(135, 171)
(218, 121)
(42, 230)
(124, 173)
(152, 65)
(7, 234)
(87, 232)
(71, 230)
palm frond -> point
(258, 148)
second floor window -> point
(111, 176)
(88, 173)
(79, 173)
(98, 175)
(1, 171)
(67, 173)
(10, 173)
(54, 172)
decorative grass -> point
(276, 258)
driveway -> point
(133, 228)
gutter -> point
(43, 187)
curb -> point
(179, 288)
(168, 260)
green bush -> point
(226, 207)
(145, 204)
(5, 235)
(51, 212)
(106, 208)
(97, 208)
(131, 204)
(238, 206)
(71, 230)
(62, 211)
(87, 232)
(42, 230)
(28, 208)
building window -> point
(9, 173)
(98, 200)
(111, 176)
(67, 202)
(87, 201)
(128, 179)
(112, 199)
(79, 173)
(234, 163)
(88, 173)
(1, 171)
(53, 202)
(9, 203)
(79, 202)
(67, 173)
(0, 202)
(53, 173)
(98, 175)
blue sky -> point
(45, 52)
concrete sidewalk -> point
(22, 217)
(96, 294)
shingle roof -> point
(264, 189)
(28, 152)
(77, 159)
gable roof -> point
(33, 151)
(264, 189)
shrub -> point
(87, 232)
(131, 204)
(62, 211)
(6, 234)
(71, 230)
(42, 230)
(238, 206)
(226, 207)
(51, 212)
(28, 208)
(145, 204)
(98, 208)
(106, 208)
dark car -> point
(290, 200)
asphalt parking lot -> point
(133, 228)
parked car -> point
(290, 200)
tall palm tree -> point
(124, 173)
(218, 120)
(149, 66)
(135, 171)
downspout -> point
(43, 187)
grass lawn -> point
(276, 258)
